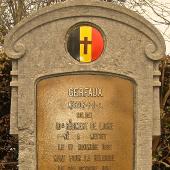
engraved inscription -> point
(85, 122)
(85, 92)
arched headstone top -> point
(85, 62)
(84, 9)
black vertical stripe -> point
(73, 44)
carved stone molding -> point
(16, 51)
(153, 51)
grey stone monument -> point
(85, 87)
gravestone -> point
(85, 87)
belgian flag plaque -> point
(85, 43)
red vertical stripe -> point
(97, 44)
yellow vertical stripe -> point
(85, 31)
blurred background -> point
(13, 11)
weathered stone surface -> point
(38, 49)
